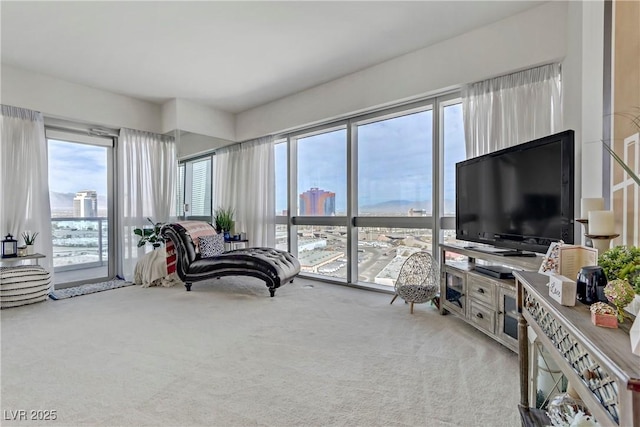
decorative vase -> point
(30, 250)
(227, 236)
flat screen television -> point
(520, 198)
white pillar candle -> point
(588, 204)
(601, 223)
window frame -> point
(82, 134)
(436, 221)
(187, 187)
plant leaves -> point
(621, 163)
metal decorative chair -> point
(419, 279)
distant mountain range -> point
(403, 206)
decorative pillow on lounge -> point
(211, 245)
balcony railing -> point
(80, 243)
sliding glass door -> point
(80, 183)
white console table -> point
(598, 362)
(487, 303)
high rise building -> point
(85, 204)
(317, 202)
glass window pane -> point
(322, 174)
(78, 193)
(322, 250)
(200, 203)
(454, 151)
(180, 191)
(282, 185)
(282, 237)
(394, 166)
(382, 251)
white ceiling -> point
(229, 55)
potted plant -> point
(150, 235)
(224, 221)
(29, 240)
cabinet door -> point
(508, 317)
(454, 291)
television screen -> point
(520, 198)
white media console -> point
(484, 301)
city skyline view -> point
(394, 162)
(394, 178)
(75, 167)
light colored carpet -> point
(226, 354)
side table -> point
(230, 245)
(13, 260)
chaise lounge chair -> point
(274, 266)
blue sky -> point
(394, 160)
(74, 167)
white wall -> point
(571, 32)
(583, 90)
(196, 118)
(169, 111)
(583, 96)
(57, 98)
(531, 38)
(61, 99)
(192, 144)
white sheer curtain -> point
(512, 109)
(147, 168)
(24, 179)
(245, 181)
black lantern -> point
(9, 247)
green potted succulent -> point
(224, 221)
(29, 240)
(150, 234)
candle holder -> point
(601, 243)
(585, 224)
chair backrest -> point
(182, 241)
(420, 269)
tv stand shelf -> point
(485, 302)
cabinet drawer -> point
(481, 290)
(483, 317)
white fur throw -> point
(151, 270)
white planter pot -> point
(634, 306)
(30, 250)
(634, 336)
